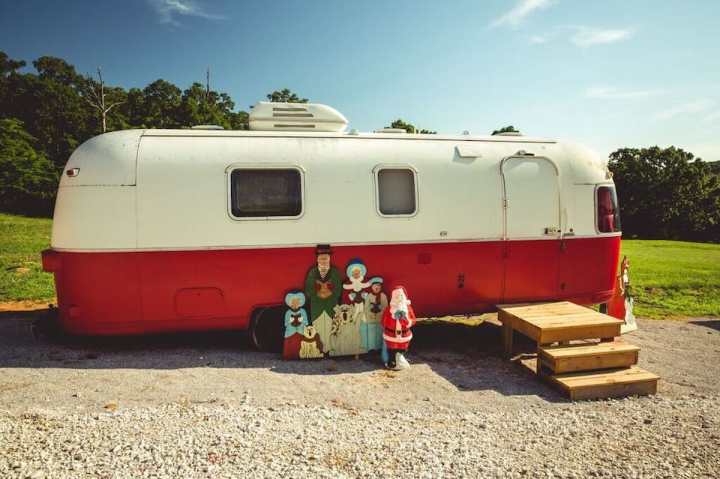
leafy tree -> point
(58, 70)
(8, 65)
(666, 193)
(714, 167)
(506, 129)
(28, 180)
(161, 104)
(409, 127)
(285, 96)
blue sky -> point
(605, 73)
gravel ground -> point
(204, 405)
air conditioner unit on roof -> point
(269, 116)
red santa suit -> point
(397, 320)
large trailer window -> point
(608, 214)
(397, 194)
(262, 193)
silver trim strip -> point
(312, 245)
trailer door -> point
(532, 228)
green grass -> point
(670, 279)
(21, 275)
(674, 279)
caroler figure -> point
(397, 320)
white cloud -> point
(587, 36)
(168, 10)
(612, 93)
(520, 11)
(697, 106)
(538, 39)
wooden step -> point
(588, 356)
(605, 384)
(562, 321)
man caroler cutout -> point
(397, 320)
(323, 288)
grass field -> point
(670, 279)
(21, 276)
(674, 278)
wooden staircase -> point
(577, 350)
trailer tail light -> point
(608, 214)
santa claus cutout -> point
(397, 320)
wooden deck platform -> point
(552, 322)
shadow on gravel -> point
(708, 323)
(468, 356)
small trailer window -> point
(608, 215)
(397, 194)
(262, 193)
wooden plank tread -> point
(585, 349)
(580, 380)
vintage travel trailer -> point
(198, 229)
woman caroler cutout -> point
(397, 321)
(300, 339)
(356, 287)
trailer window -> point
(397, 194)
(260, 193)
(608, 215)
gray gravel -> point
(203, 406)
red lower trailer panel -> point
(105, 293)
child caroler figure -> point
(371, 328)
(397, 321)
(295, 322)
(355, 286)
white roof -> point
(325, 134)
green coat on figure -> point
(323, 293)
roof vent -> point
(269, 116)
(207, 127)
(391, 130)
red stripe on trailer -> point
(146, 292)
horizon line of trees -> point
(46, 114)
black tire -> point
(267, 329)
(48, 325)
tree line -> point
(46, 113)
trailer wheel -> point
(267, 328)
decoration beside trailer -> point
(375, 303)
(397, 321)
(354, 325)
(323, 288)
(621, 304)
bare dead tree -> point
(95, 96)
